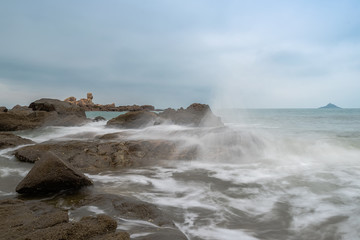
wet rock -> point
(98, 119)
(165, 234)
(199, 115)
(20, 119)
(43, 112)
(37, 220)
(98, 155)
(51, 174)
(137, 119)
(156, 223)
(125, 207)
(8, 140)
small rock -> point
(3, 109)
(98, 119)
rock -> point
(8, 140)
(89, 97)
(98, 119)
(36, 220)
(60, 107)
(23, 109)
(51, 174)
(137, 119)
(43, 112)
(124, 207)
(199, 115)
(130, 208)
(109, 153)
(88, 105)
(3, 109)
(71, 100)
(19, 119)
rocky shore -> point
(56, 186)
(88, 105)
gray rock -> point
(99, 118)
(137, 119)
(43, 112)
(98, 155)
(198, 115)
(36, 220)
(51, 174)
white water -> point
(264, 179)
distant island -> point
(330, 105)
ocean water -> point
(270, 174)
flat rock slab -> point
(51, 174)
(97, 156)
(36, 220)
(8, 140)
(141, 219)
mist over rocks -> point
(42, 112)
(196, 115)
(51, 174)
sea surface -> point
(270, 174)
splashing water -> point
(270, 174)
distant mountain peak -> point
(330, 105)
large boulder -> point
(137, 119)
(51, 174)
(199, 115)
(22, 119)
(36, 220)
(62, 108)
(43, 112)
(8, 140)
(99, 155)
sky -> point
(171, 53)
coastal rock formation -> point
(36, 220)
(8, 140)
(51, 174)
(98, 155)
(43, 112)
(88, 105)
(137, 119)
(199, 115)
(60, 107)
(3, 109)
(129, 208)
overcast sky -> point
(170, 53)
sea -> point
(269, 174)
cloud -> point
(233, 53)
